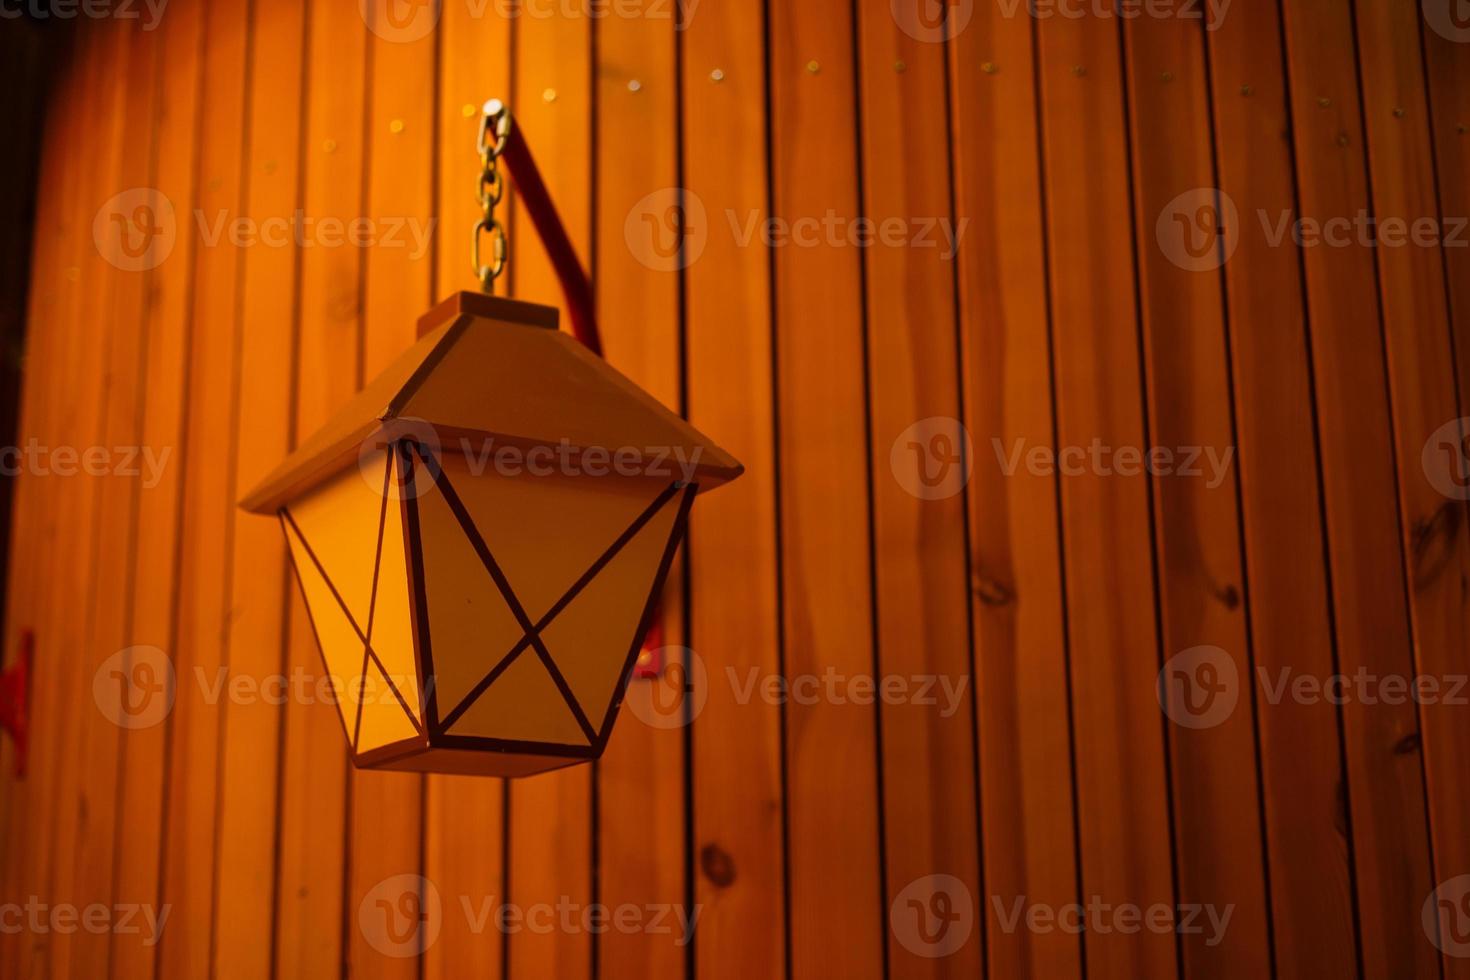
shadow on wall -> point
(26, 65)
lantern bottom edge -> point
(420, 755)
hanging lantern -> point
(480, 537)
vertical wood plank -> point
(1215, 793)
(83, 424)
(386, 808)
(1026, 768)
(464, 839)
(140, 830)
(834, 857)
(312, 918)
(1425, 399)
(74, 627)
(1385, 772)
(1122, 786)
(738, 849)
(93, 798)
(551, 815)
(201, 643)
(640, 779)
(1303, 781)
(919, 534)
(244, 908)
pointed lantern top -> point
(490, 372)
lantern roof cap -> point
(488, 373)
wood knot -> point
(1229, 596)
(344, 307)
(1409, 744)
(994, 593)
(1432, 541)
(718, 866)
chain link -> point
(494, 123)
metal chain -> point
(494, 121)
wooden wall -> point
(1087, 305)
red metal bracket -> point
(15, 690)
(569, 272)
